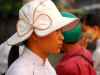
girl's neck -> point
(37, 50)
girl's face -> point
(52, 43)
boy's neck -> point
(69, 47)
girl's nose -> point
(61, 36)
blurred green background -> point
(8, 7)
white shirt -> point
(4, 52)
(30, 64)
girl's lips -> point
(60, 45)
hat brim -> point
(58, 24)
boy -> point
(76, 59)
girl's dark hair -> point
(13, 54)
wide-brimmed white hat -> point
(40, 16)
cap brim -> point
(15, 39)
(57, 24)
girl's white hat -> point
(40, 16)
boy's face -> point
(89, 35)
(98, 31)
(51, 43)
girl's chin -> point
(56, 52)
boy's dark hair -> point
(92, 19)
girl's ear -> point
(33, 37)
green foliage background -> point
(10, 6)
